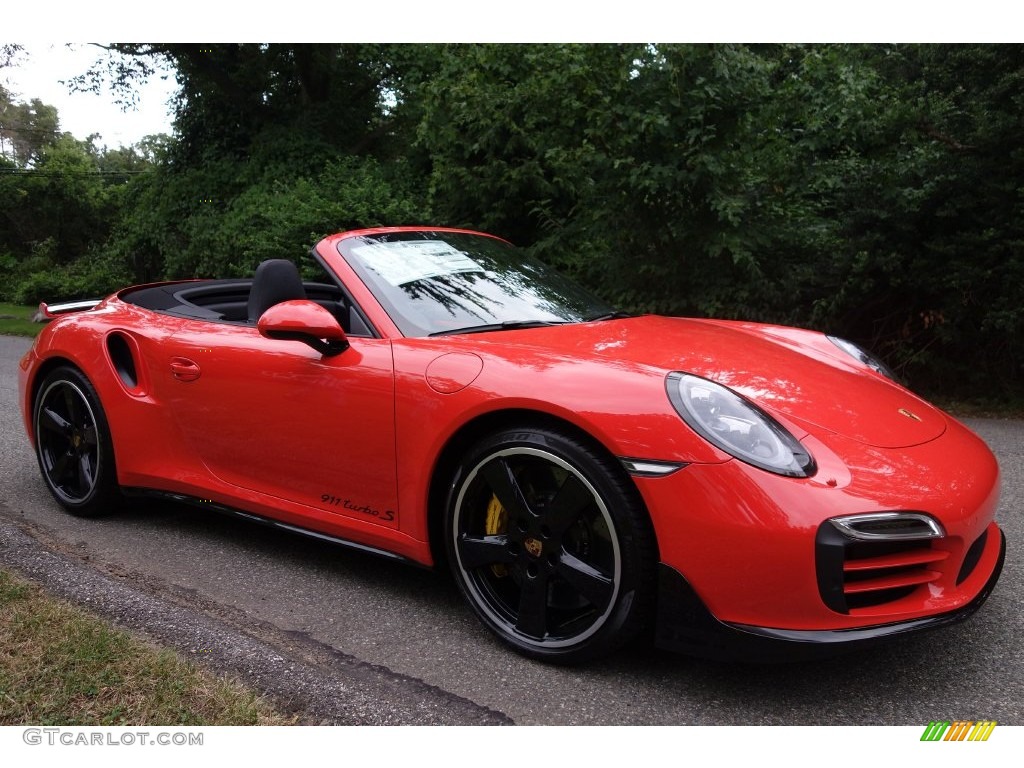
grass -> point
(62, 666)
(16, 320)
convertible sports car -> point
(435, 396)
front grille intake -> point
(868, 560)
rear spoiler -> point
(50, 311)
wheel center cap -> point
(533, 546)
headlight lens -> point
(737, 426)
(867, 358)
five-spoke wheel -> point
(550, 544)
(73, 443)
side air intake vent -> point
(123, 353)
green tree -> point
(926, 262)
(26, 129)
(275, 146)
(872, 191)
(649, 170)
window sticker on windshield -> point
(407, 262)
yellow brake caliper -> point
(497, 522)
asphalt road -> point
(404, 634)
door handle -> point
(184, 369)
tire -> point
(73, 444)
(551, 545)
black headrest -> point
(276, 280)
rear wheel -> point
(73, 444)
(551, 545)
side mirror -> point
(304, 321)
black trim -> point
(225, 300)
(685, 624)
(232, 512)
(326, 347)
(830, 554)
(972, 557)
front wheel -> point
(551, 545)
(73, 444)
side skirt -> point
(147, 493)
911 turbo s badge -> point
(909, 414)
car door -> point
(278, 418)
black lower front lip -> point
(685, 624)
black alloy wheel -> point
(73, 444)
(551, 545)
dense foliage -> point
(872, 191)
(60, 199)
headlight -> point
(737, 426)
(867, 358)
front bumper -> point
(747, 540)
(685, 624)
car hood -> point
(793, 373)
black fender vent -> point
(122, 350)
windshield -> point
(433, 282)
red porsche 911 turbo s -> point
(434, 395)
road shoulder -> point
(319, 683)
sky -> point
(41, 68)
